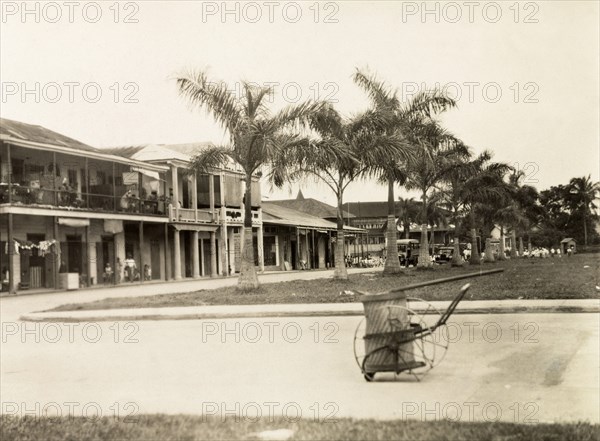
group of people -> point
(126, 270)
(544, 252)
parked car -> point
(444, 254)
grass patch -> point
(192, 428)
(551, 278)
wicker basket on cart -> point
(386, 327)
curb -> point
(356, 310)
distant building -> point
(318, 209)
(372, 216)
(566, 243)
(297, 240)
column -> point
(88, 256)
(177, 254)
(195, 196)
(117, 276)
(10, 180)
(298, 249)
(175, 201)
(56, 266)
(202, 265)
(315, 263)
(114, 185)
(142, 275)
(195, 256)
(211, 194)
(87, 184)
(261, 248)
(224, 246)
(329, 251)
(11, 254)
(308, 254)
(168, 262)
(213, 254)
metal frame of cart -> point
(404, 334)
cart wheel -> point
(425, 349)
(369, 376)
(435, 345)
(359, 343)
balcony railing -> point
(73, 200)
(192, 215)
(236, 216)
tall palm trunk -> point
(456, 260)
(521, 249)
(340, 263)
(585, 235)
(513, 244)
(248, 279)
(488, 253)
(424, 261)
(392, 263)
(502, 252)
(406, 227)
(475, 257)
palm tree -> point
(256, 138)
(347, 149)
(404, 118)
(584, 192)
(436, 216)
(439, 148)
(523, 211)
(409, 212)
(468, 183)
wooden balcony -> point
(192, 215)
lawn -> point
(189, 428)
(552, 278)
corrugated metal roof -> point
(33, 133)
(312, 207)
(276, 214)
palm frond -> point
(215, 98)
(209, 159)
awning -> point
(72, 222)
(149, 173)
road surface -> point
(509, 367)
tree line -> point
(397, 143)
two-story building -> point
(72, 215)
(206, 212)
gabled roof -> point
(567, 239)
(148, 152)
(38, 137)
(278, 215)
(38, 134)
(191, 149)
(312, 207)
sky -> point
(525, 74)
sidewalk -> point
(12, 307)
(307, 310)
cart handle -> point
(394, 293)
(452, 306)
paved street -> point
(511, 367)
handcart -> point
(404, 334)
